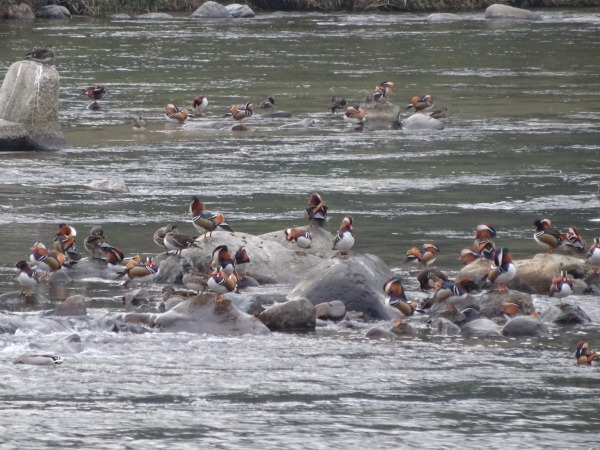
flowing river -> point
(522, 142)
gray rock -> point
(109, 185)
(120, 16)
(20, 11)
(565, 315)
(211, 10)
(404, 330)
(300, 125)
(505, 12)
(293, 315)
(335, 310)
(496, 304)
(72, 306)
(357, 281)
(443, 17)
(203, 315)
(238, 11)
(154, 16)
(535, 275)
(29, 96)
(444, 327)
(524, 326)
(54, 12)
(136, 298)
(379, 334)
(420, 121)
(481, 327)
(171, 269)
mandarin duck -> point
(43, 54)
(96, 93)
(159, 236)
(337, 103)
(204, 221)
(425, 256)
(384, 90)
(45, 260)
(486, 249)
(176, 241)
(440, 114)
(583, 354)
(221, 283)
(355, 115)
(397, 298)
(268, 103)
(572, 239)
(66, 238)
(194, 280)
(93, 241)
(175, 115)
(27, 278)
(223, 260)
(451, 294)
(545, 236)
(593, 255)
(302, 238)
(140, 272)
(199, 105)
(420, 103)
(241, 260)
(242, 112)
(561, 287)
(344, 240)
(430, 278)
(503, 271)
(139, 124)
(116, 260)
(468, 255)
(316, 210)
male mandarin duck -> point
(43, 54)
(430, 278)
(241, 260)
(223, 260)
(221, 283)
(355, 115)
(141, 272)
(66, 237)
(205, 221)
(175, 115)
(96, 93)
(583, 354)
(302, 238)
(344, 240)
(425, 256)
(242, 112)
(93, 241)
(451, 294)
(593, 256)
(397, 298)
(268, 103)
(572, 239)
(546, 237)
(421, 103)
(561, 287)
(176, 241)
(46, 261)
(503, 271)
(116, 260)
(316, 210)
(468, 255)
(337, 103)
(138, 124)
(27, 278)
(486, 249)
(199, 105)
(485, 231)
(384, 90)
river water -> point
(522, 143)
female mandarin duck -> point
(223, 260)
(561, 287)
(43, 54)
(93, 241)
(176, 241)
(430, 278)
(66, 237)
(397, 298)
(440, 114)
(221, 283)
(593, 256)
(384, 90)
(451, 294)
(242, 112)
(139, 124)
(504, 270)
(45, 260)
(141, 272)
(420, 103)
(572, 239)
(27, 278)
(316, 210)
(546, 237)
(355, 115)
(241, 260)
(205, 221)
(337, 103)
(175, 115)
(425, 257)
(199, 105)
(344, 240)
(269, 103)
(583, 354)
(302, 238)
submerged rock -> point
(525, 326)
(505, 12)
(72, 306)
(238, 11)
(565, 315)
(293, 315)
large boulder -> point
(525, 326)
(481, 327)
(565, 314)
(535, 275)
(238, 11)
(293, 315)
(29, 96)
(154, 16)
(211, 10)
(18, 11)
(505, 12)
(420, 121)
(54, 12)
(201, 314)
(357, 281)
(494, 304)
(72, 306)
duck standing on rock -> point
(204, 221)
(561, 287)
(383, 91)
(394, 289)
(421, 103)
(46, 261)
(66, 238)
(425, 256)
(593, 256)
(583, 354)
(27, 278)
(199, 105)
(451, 294)
(503, 271)
(344, 240)
(545, 236)
(242, 112)
(223, 260)
(94, 240)
(241, 260)
(302, 238)
(573, 240)
(316, 211)
(141, 272)
(96, 93)
(221, 283)
(176, 241)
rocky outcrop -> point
(154, 16)
(54, 12)
(565, 314)
(525, 326)
(335, 310)
(72, 306)
(422, 122)
(494, 304)
(211, 10)
(293, 315)
(505, 12)
(357, 281)
(29, 108)
(443, 17)
(238, 11)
